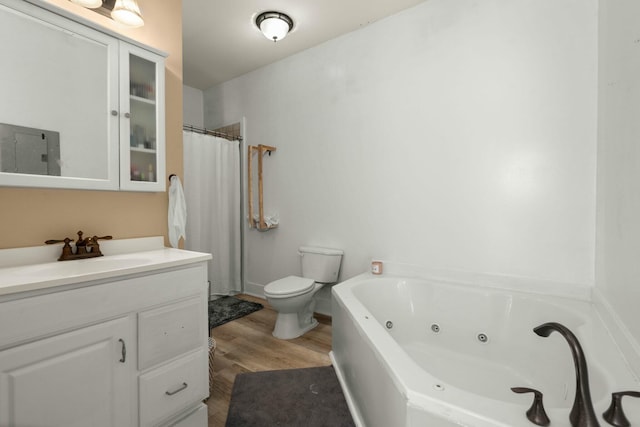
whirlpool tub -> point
(416, 352)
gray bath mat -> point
(309, 397)
(226, 309)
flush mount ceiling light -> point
(274, 25)
(127, 12)
(90, 4)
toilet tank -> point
(320, 264)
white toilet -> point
(292, 297)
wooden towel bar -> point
(260, 149)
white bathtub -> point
(407, 374)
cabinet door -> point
(142, 148)
(77, 379)
(59, 89)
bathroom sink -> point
(34, 268)
(91, 270)
(86, 266)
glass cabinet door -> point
(142, 120)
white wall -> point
(455, 135)
(618, 238)
(193, 106)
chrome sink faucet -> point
(582, 413)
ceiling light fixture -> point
(90, 4)
(274, 25)
(127, 12)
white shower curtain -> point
(212, 194)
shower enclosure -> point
(213, 194)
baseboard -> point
(323, 305)
(254, 289)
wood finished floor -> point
(246, 345)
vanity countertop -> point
(46, 275)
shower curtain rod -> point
(206, 131)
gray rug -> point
(226, 309)
(309, 397)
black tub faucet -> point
(582, 413)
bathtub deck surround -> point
(123, 335)
(447, 352)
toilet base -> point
(288, 327)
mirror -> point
(59, 86)
(29, 151)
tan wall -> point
(28, 217)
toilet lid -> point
(289, 286)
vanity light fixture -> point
(127, 12)
(274, 25)
(89, 4)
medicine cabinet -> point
(82, 107)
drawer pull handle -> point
(124, 351)
(171, 393)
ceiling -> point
(221, 41)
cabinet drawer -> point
(171, 330)
(197, 418)
(173, 387)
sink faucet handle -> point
(536, 414)
(93, 243)
(67, 252)
(66, 241)
(615, 415)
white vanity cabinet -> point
(124, 348)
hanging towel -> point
(177, 212)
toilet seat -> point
(289, 286)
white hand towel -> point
(177, 212)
